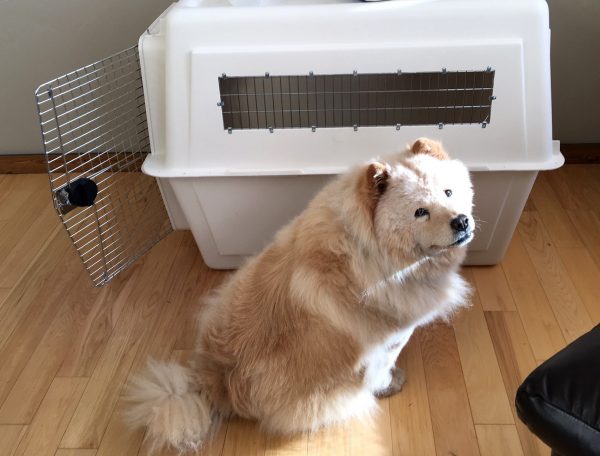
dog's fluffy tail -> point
(165, 399)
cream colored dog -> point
(307, 333)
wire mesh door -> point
(95, 139)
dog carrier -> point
(248, 107)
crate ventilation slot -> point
(95, 138)
(356, 100)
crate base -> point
(233, 218)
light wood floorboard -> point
(10, 437)
(487, 396)
(498, 440)
(67, 349)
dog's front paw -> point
(395, 386)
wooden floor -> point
(66, 349)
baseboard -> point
(36, 163)
(581, 153)
(23, 164)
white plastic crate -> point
(415, 60)
(252, 107)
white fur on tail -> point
(165, 400)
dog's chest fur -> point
(415, 295)
(412, 297)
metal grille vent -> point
(95, 138)
(356, 100)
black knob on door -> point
(82, 192)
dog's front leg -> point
(382, 376)
(395, 386)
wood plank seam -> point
(552, 264)
(35, 259)
(74, 408)
(562, 262)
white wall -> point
(40, 40)
(575, 54)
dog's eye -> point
(448, 193)
(421, 212)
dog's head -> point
(420, 201)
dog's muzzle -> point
(463, 238)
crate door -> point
(95, 139)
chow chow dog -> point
(307, 333)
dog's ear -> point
(377, 178)
(429, 147)
(373, 184)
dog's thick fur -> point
(307, 333)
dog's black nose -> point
(460, 223)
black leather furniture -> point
(560, 400)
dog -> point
(306, 334)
